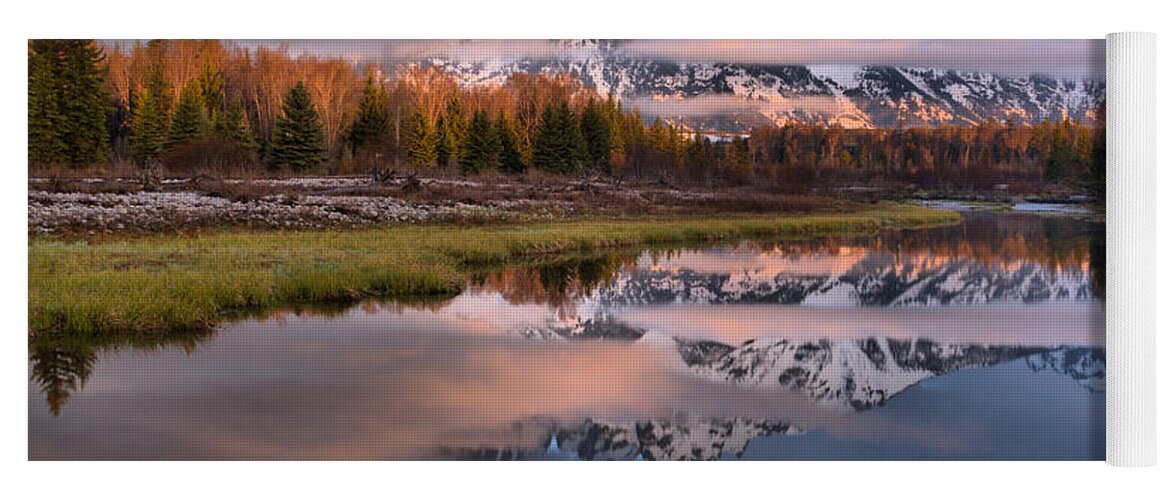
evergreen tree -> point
(85, 103)
(148, 127)
(190, 120)
(481, 147)
(150, 116)
(373, 122)
(420, 141)
(231, 126)
(558, 146)
(210, 87)
(696, 159)
(229, 144)
(298, 141)
(660, 134)
(612, 110)
(443, 143)
(1061, 153)
(46, 146)
(69, 102)
(595, 132)
(451, 129)
(546, 142)
(1098, 163)
(738, 156)
(510, 155)
(160, 88)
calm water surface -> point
(978, 341)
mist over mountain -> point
(735, 96)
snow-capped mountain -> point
(732, 97)
(858, 373)
(875, 280)
(868, 279)
(640, 440)
(601, 327)
(1086, 365)
(664, 440)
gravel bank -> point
(50, 212)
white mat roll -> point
(1130, 249)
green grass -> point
(176, 283)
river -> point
(983, 340)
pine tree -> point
(451, 127)
(85, 102)
(234, 143)
(595, 132)
(210, 87)
(660, 135)
(420, 140)
(546, 142)
(150, 116)
(1097, 165)
(45, 144)
(298, 141)
(231, 126)
(229, 144)
(612, 110)
(695, 157)
(1061, 153)
(160, 88)
(69, 102)
(443, 143)
(738, 156)
(373, 122)
(510, 155)
(558, 146)
(481, 147)
(190, 120)
(148, 127)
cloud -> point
(717, 105)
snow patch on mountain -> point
(859, 374)
(849, 96)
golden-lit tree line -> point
(979, 156)
(205, 104)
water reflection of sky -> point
(971, 376)
(1007, 412)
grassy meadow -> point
(169, 283)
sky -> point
(1075, 59)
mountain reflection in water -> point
(870, 347)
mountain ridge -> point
(734, 97)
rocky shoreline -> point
(92, 206)
(159, 211)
